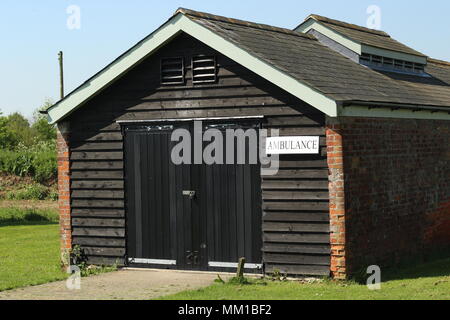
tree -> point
(20, 128)
(42, 130)
(7, 138)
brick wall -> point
(337, 200)
(397, 190)
(64, 186)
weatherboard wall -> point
(295, 206)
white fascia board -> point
(383, 112)
(169, 30)
(309, 24)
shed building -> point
(376, 192)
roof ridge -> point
(250, 24)
(347, 25)
(437, 61)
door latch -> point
(189, 257)
(189, 193)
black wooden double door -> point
(189, 216)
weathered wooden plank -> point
(226, 102)
(299, 269)
(206, 93)
(295, 184)
(295, 195)
(106, 174)
(97, 194)
(196, 113)
(294, 121)
(296, 237)
(299, 164)
(303, 259)
(95, 241)
(297, 248)
(295, 206)
(302, 131)
(96, 125)
(94, 203)
(296, 227)
(106, 261)
(97, 184)
(96, 165)
(101, 251)
(98, 213)
(92, 222)
(96, 136)
(96, 146)
(99, 232)
(299, 174)
(105, 155)
(297, 216)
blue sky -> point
(32, 32)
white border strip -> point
(153, 261)
(233, 265)
(190, 119)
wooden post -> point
(61, 74)
(240, 269)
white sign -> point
(292, 145)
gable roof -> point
(370, 37)
(295, 62)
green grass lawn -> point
(27, 216)
(29, 248)
(426, 281)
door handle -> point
(189, 193)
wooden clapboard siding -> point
(295, 201)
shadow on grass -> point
(428, 268)
(15, 217)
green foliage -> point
(239, 281)
(78, 258)
(28, 150)
(30, 192)
(19, 126)
(7, 138)
(276, 275)
(38, 161)
(42, 130)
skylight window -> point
(389, 64)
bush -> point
(44, 165)
(38, 161)
(30, 192)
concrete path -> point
(123, 285)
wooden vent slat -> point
(204, 69)
(172, 71)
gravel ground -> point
(130, 284)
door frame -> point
(256, 268)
